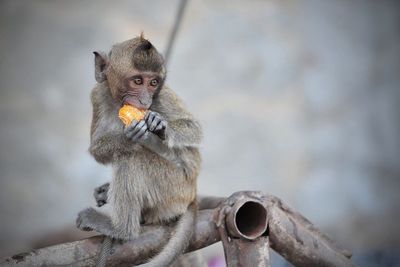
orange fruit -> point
(129, 113)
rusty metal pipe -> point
(289, 233)
(247, 219)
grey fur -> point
(155, 162)
(137, 182)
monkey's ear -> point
(100, 64)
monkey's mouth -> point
(133, 101)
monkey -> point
(155, 161)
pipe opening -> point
(251, 220)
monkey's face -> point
(134, 71)
(139, 88)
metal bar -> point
(299, 241)
(290, 234)
(241, 218)
(243, 253)
(242, 224)
(85, 252)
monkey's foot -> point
(90, 219)
(101, 193)
(83, 220)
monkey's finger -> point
(142, 135)
(146, 116)
(155, 123)
(141, 124)
(151, 118)
(100, 203)
(138, 127)
(103, 188)
(130, 130)
(131, 134)
(131, 126)
(139, 135)
(161, 125)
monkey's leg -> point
(101, 193)
(91, 219)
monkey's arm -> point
(138, 132)
(176, 133)
(155, 144)
(182, 129)
(106, 139)
(109, 146)
(185, 132)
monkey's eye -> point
(138, 81)
(153, 82)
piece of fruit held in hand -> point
(129, 113)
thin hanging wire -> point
(172, 36)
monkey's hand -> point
(156, 124)
(100, 194)
(140, 132)
(137, 131)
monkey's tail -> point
(104, 252)
(178, 242)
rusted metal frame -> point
(246, 215)
(243, 229)
(242, 222)
(299, 241)
(242, 253)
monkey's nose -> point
(145, 103)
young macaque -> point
(155, 160)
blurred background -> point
(299, 99)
